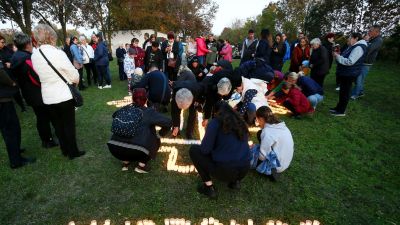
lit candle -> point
(249, 222)
(315, 222)
(71, 223)
(166, 222)
(93, 222)
(107, 222)
(187, 222)
(308, 222)
(216, 222)
(233, 222)
(278, 222)
(271, 222)
(302, 223)
(139, 222)
(127, 222)
(211, 220)
(205, 220)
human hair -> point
(356, 35)
(251, 31)
(153, 67)
(146, 35)
(44, 34)
(21, 40)
(315, 41)
(153, 36)
(155, 44)
(376, 27)
(170, 35)
(99, 36)
(82, 37)
(230, 120)
(224, 86)
(183, 68)
(303, 38)
(134, 40)
(287, 86)
(293, 75)
(183, 98)
(329, 35)
(265, 34)
(266, 113)
(2, 38)
(139, 96)
(74, 38)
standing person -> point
(278, 53)
(9, 123)
(226, 51)
(29, 82)
(101, 61)
(374, 45)
(287, 45)
(191, 50)
(139, 53)
(296, 42)
(300, 53)
(224, 152)
(88, 63)
(77, 55)
(201, 49)
(349, 66)
(146, 39)
(329, 44)
(153, 56)
(129, 67)
(170, 49)
(120, 54)
(264, 47)
(55, 93)
(275, 152)
(249, 47)
(319, 62)
(149, 43)
(67, 48)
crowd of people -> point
(197, 76)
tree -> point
(19, 12)
(268, 18)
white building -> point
(125, 36)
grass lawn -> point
(344, 171)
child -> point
(295, 100)
(129, 67)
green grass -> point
(344, 170)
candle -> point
(308, 222)
(302, 223)
(127, 222)
(233, 222)
(107, 222)
(216, 222)
(205, 220)
(278, 222)
(93, 222)
(315, 222)
(211, 220)
(166, 222)
(271, 222)
(187, 222)
(71, 223)
(139, 222)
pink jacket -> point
(226, 52)
(201, 47)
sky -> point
(230, 10)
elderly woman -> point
(300, 53)
(224, 151)
(55, 92)
(143, 146)
(319, 62)
(101, 61)
(29, 83)
(349, 65)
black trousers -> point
(122, 74)
(43, 122)
(289, 106)
(11, 131)
(206, 167)
(18, 99)
(319, 79)
(81, 85)
(126, 154)
(63, 116)
(102, 75)
(344, 93)
(91, 73)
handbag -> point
(172, 62)
(76, 95)
(77, 65)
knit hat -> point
(138, 71)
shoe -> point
(125, 166)
(142, 169)
(24, 162)
(49, 144)
(274, 175)
(337, 89)
(361, 95)
(78, 154)
(22, 150)
(353, 97)
(107, 86)
(332, 110)
(234, 185)
(336, 113)
(100, 87)
(209, 191)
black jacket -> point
(264, 51)
(28, 80)
(7, 90)
(277, 57)
(153, 58)
(146, 135)
(319, 60)
(120, 54)
(198, 70)
(67, 50)
(329, 48)
(157, 87)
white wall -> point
(125, 36)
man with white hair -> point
(319, 62)
(185, 95)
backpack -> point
(126, 121)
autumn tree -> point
(19, 12)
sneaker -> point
(24, 162)
(274, 175)
(209, 191)
(129, 93)
(142, 169)
(100, 87)
(336, 113)
(332, 110)
(78, 154)
(234, 185)
(125, 166)
(107, 86)
(337, 89)
(353, 97)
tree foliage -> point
(17, 11)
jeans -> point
(103, 73)
(359, 88)
(201, 59)
(315, 99)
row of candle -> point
(205, 221)
(172, 158)
(180, 141)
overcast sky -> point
(230, 10)
(227, 13)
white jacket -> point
(278, 138)
(54, 90)
(261, 87)
(88, 53)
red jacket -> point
(299, 101)
(298, 57)
(139, 59)
(226, 52)
(201, 47)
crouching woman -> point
(275, 151)
(143, 145)
(224, 151)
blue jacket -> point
(76, 53)
(287, 54)
(355, 69)
(101, 54)
(225, 149)
(256, 69)
(264, 51)
(157, 86)
(309, 86)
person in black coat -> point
(278, 52)
(30, 86)
(256, 69)
(170, 50)
(198, 69)
(319, 62)
(264, 47)
(120, 53)
(67, 48)
(329, 44)
(153, 56)
(186, 95)
(144, 145)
